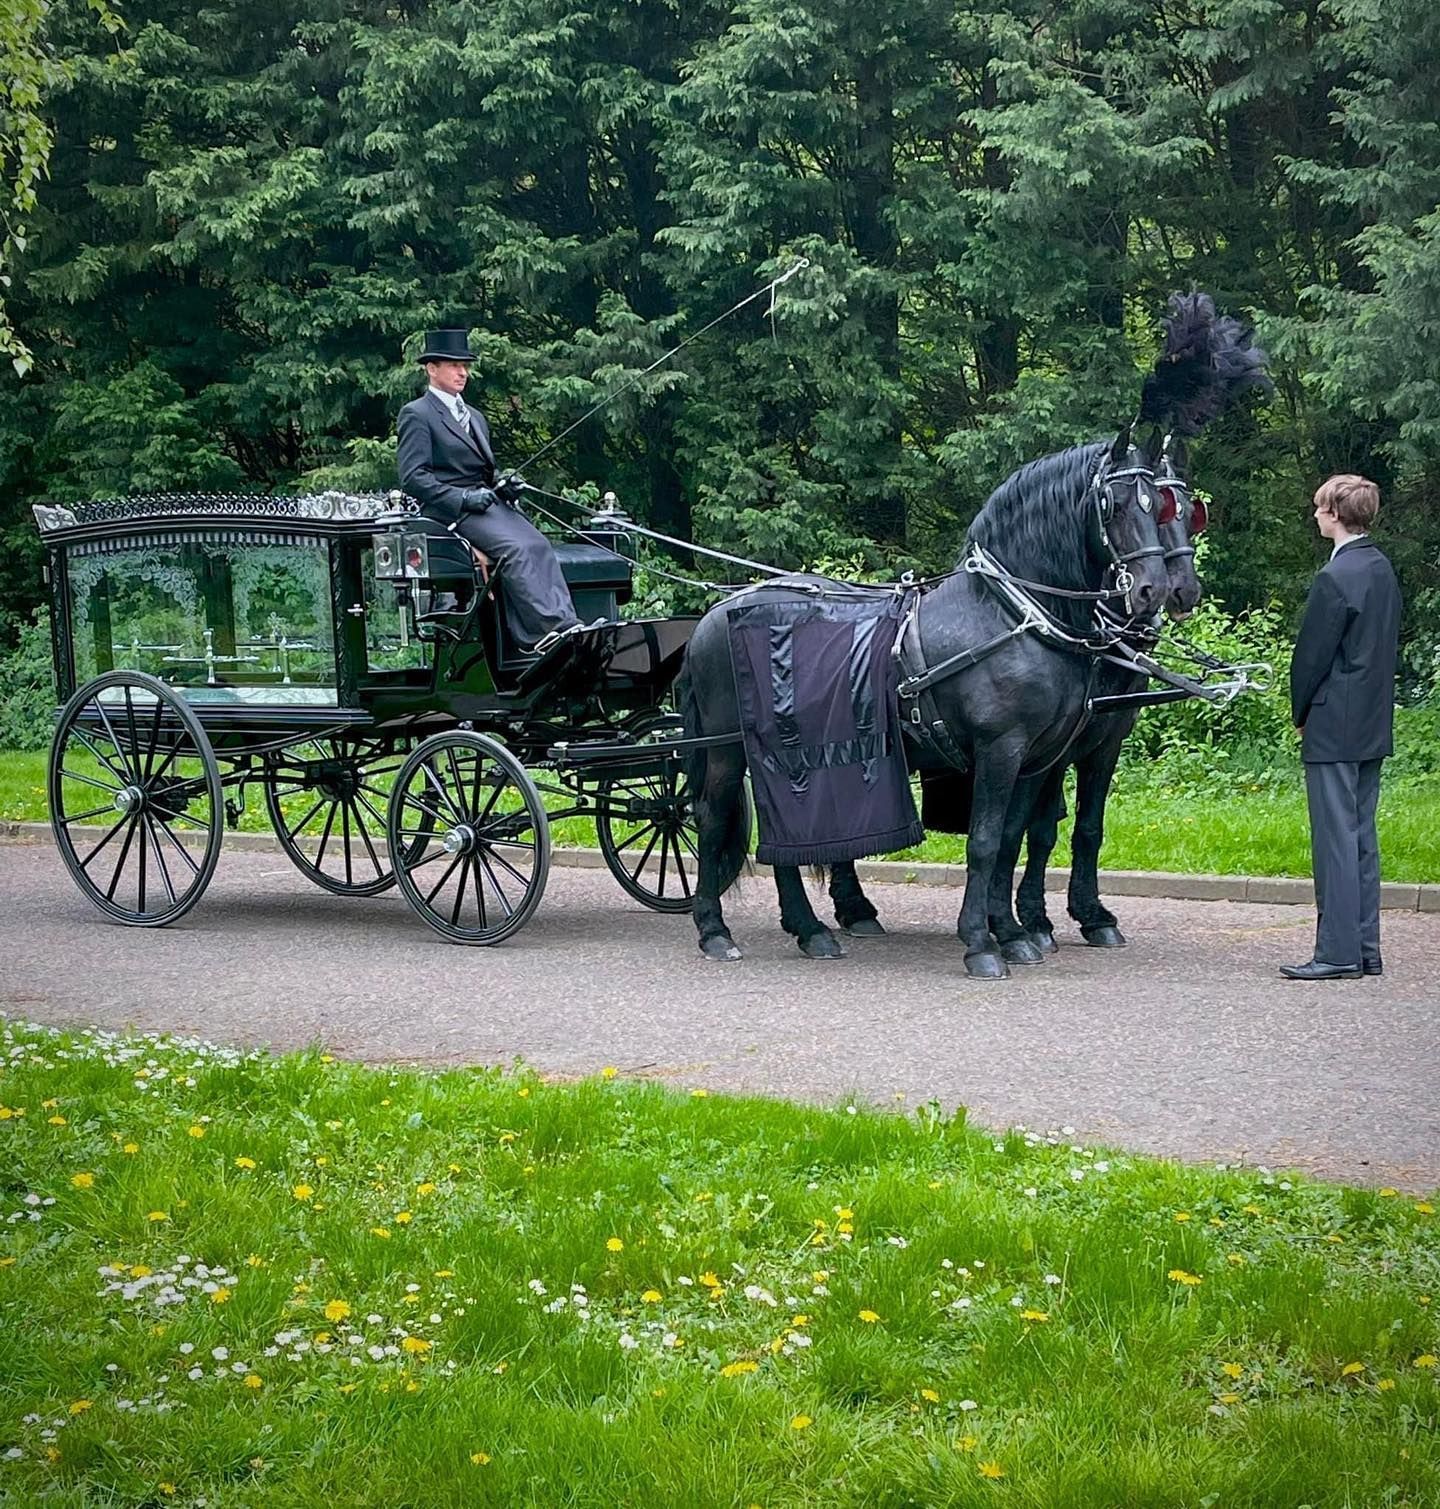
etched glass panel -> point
(226, 619)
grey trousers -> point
(1345, 853)
(532, 587)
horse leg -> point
(997, 765)
(798, 918)
(1093, 776)
(1040, 838)
(1016, 945)
(854, 910)
(723, 842)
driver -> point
(445, 462)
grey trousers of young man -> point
(1345, 854)
(533, 589)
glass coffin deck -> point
(225, 616)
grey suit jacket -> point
(1342, 674)
(438, 461)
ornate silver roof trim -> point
(332, 505)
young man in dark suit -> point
(1342, 697)
(445, 462)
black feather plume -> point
(1206, 363)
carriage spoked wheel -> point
(645, 824)
(472, 838)
(132, 778)
(328, 801)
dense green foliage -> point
(254, 209)
(298, 1282)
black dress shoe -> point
(1318, 969)
(1373, 966)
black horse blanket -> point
(816, 683)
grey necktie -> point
(462, 415)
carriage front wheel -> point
(470, 838)
(135, 798)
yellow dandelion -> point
(1181, 1216)
(738, 1369)
(243, 1162)
(7, 1262)
(1425, 1208)
(609, 1072)
(347, 1388)
(254, 1261)
(614, 1244)
(80, 1406)
(801, 1422)
(1232, 1369)
(322, 1337)
(651, 1297)
(966, 1443)
(56, 1121)
(869, 1317)
(336, 1310)
(379, 1231)
(480, 1458)
(221, 1296)
(844, 1213)
(1388, 1193)
(131, 1148)
(302, 1191)
(1039, 1316)
(444, 1273)
(523, 1092)
(195, 1131)
(1227, 1398)
(140, 1270)
(1385, 1385)
(417, 1346)
(698, 1094)
(83, 1181)
(427, 1188)
(799, 1320)
(168, 1489)
(991, 1470)
(253, 1380)
(1351, 1369)
(1234, 1259)
(157, 1215)
(403, 1218)
(930, 1394)
(1425, 1360)
(1179, 1276)
(710, 1280)
(327, 1058)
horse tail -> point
(733, 838)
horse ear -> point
(1151, 447)
(1121, 449)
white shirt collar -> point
(1339, 545)
(450, 400)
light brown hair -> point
(1352, 499)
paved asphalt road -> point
(1184, 1044)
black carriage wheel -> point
(646, 828)
(472, 836)
(336, 795)
(132, 775)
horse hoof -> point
(821, 946)
(1021, 951)
(721, 949)
(865, 927)
(1103, 937)
(986, 966)
(1044, 939)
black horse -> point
(1081, 523)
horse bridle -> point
(1102, 492)
(1175, 499)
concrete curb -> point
(1268, 889)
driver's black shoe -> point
(1374, 966)
(1318, 969)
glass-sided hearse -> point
(349, 659)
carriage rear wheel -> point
(135, 798)
(335, 795)
(472, 838)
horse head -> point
(1124, 538)
(1179, 517)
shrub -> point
(28, 686)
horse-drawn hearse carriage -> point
(208, 648)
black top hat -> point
(447, 346)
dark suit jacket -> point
(1342, 675)
(438, 461)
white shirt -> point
(1338, 545)
(455, 403)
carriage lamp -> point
(417, 556)
(388, 556)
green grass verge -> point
(1240, 828)
(242, 1280)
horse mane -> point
(1035, 526)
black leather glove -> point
(478, 499)
(508, 489)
